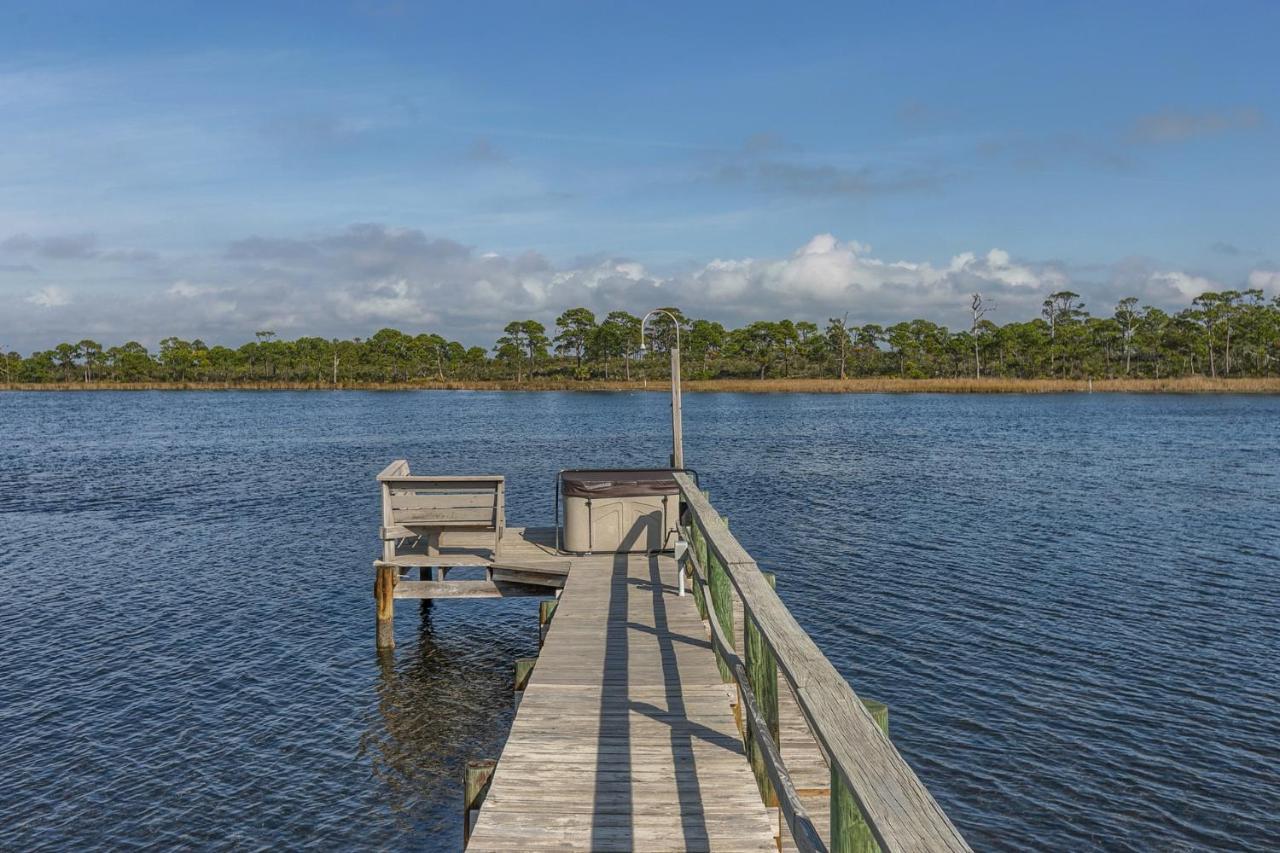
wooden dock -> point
(625, 738)
(653, 720)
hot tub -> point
(619, 511)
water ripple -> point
(1070, 604)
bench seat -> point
(418, 512)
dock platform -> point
(625, 738)
(654, 720)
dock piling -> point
(476, 777)
(384, 590)
(524, 668)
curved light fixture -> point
(677, 428)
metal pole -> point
(677, 421)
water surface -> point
(1069, 602)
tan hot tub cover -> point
(618, 484)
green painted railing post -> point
(762, 674)
(722, 599)
(849, 830)
(524, 668)
(546, 609)
(700, 547)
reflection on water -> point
(434, 694)
(1069, 603)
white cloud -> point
(50, 296)
(1268, 280)
(204, 306)
(828, 274)
(186, 290)
(1189, 286)
(354, 281)
(384, 301)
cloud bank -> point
(355, 280)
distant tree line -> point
(1232, 333)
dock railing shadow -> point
(688, 791)
(614, 701)
(614, 768)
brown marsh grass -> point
(860, 385)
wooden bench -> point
(418, 511)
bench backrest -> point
(412, 505)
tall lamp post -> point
(677, 431)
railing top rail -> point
(898, 808)
(395, 469)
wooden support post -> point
(546, 609)
(722, 599)
(524, 668)
(699, 546)
(849, 830)
(384, 590)
(762, 674)
(426, 573)
(475, 784)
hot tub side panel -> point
(619, 524)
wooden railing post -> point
(722, 600)
(546, 609)
(849, 830)
(762, 674)
(699, 547)
(524, 668)
(384, 591)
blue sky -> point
(209, 169)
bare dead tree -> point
(979, 310)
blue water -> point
(1070, 603)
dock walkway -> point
(625, 738)
(653, 721)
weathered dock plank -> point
(625, 738)
(808, 768)
(465, 589)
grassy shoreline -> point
(861, 385)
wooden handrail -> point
(898, 809)
(396, 468)
(456, 481)
(803, 832)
